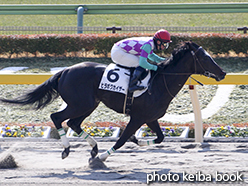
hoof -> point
(96, 163)
(66, 152)
(102, 157)
(94, 152)
(133, 139)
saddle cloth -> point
(116, 79)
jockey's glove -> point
(160, 69)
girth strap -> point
(128, 102)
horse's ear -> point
(191, 45)
(187, 44)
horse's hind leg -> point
(74, 124)
(57, 119)
(70, 113)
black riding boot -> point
(135, 78)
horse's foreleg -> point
(128, 132)
(65, 143)
(154, 126)
(92, 143)
(141, 142)
(75, 125)
(106, 154)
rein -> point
(206, 73)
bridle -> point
(196, 61)
(206, 73)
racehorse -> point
(78, 87)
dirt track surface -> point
(40, 163)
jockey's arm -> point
(155, 58)
(146, 50)
(146, 65)
(146, 53)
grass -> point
(112, 1)
(45, 63)
(187, 20)
(235, 110)
(230, 64)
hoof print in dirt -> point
(96, 163)
(8, 162)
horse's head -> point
(204, 63)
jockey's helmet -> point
(164, 37)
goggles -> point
(166, 45)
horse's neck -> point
(174, 83)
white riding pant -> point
(119, 56)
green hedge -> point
(61, 44)
(217, 43)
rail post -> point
(80, 13)
(113, 29)
(243, 29)
(197, 114)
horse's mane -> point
(177, 53)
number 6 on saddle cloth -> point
(116, 79)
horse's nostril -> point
(223, 73)
(222, 76)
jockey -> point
(134, 52)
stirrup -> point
(134, 88)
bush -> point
(61, 44)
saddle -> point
(116, 78)
(129, 96)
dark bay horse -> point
(78, 87)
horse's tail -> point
(40, 96)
